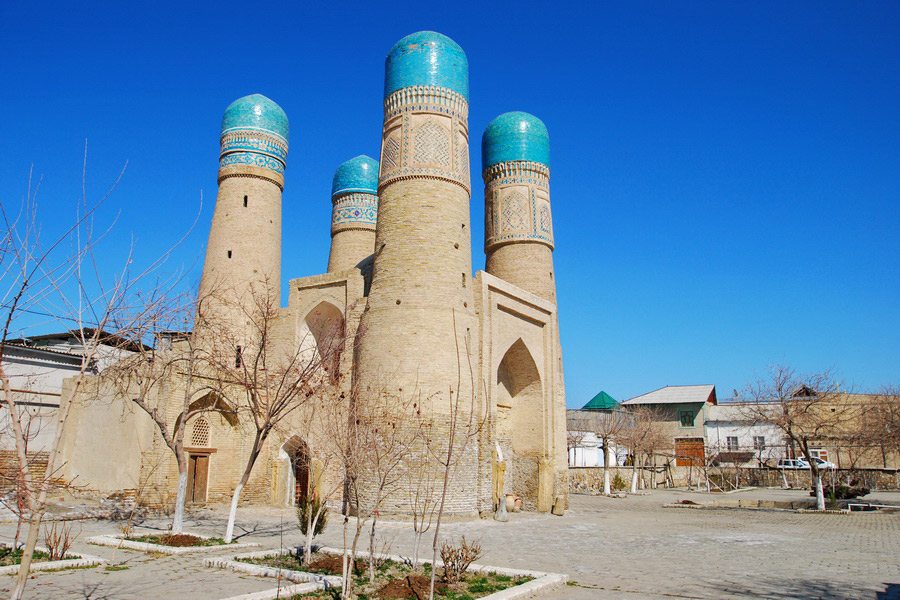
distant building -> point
(683, 410)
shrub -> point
(311, 503)
(618, 483)
(457, 559)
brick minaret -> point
(518, 232)
(418, 332)
(243, 256)
(354, 194)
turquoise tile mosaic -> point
(515, 136)
(426, 58)
(358, 174)
(258, 113)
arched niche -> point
(296, 452)
(321, 335)
(518, 396)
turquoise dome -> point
(256, 112)
(426, 58)
(358, 174)
(515, 136)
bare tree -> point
(264, 380)
(609, 429)
(881, 423)
(642, 435)
(61, 282)
(808, 409)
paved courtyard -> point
(629, 548)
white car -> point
(823, 464)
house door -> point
(198, 477)
(688, 451)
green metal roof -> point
(601, 401)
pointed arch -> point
(519, 390)
(296, 451)
(322, 334)
(520, 426)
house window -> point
(759, 443)
(686, 418)
(819, 453)
(731, 442)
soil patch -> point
(416, 587)
(331, 564)
(178, 540)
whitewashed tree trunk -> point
(607, 488)
(634, 481)
(820, 493)
(180, 496)
(232, 514)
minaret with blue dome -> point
(243, 256)
(354, 197)
(420, 311)
(518, 229)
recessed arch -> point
(322, 335)
(296, 452)
(518, 394)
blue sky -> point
(725, 176)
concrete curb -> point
(118, 541)
(282, 592)
(83, 560)
(233, 564)
(542, 581)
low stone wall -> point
(586, 480)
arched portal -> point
(322, 336)
(297, 453)
(518, 395)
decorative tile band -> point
(253, 148)
(254, 141)
(425, 135)
(426, 98)
(252, 159)
(517, 204)
(354, 211)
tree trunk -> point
(607, 489)
(232, 514)
(634, 477)
(820, 492)
(180, 496)
(372, 548)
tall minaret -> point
(518, 241)
(354, 194)
(243, 256)
(418, 332)
(518, 232)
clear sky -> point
(725, 176)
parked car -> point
(823, 464)
(791, 463)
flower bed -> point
(10, 559)
(395, 579)
(169, 544)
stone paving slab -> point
(629, 548)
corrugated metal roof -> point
(676, 394)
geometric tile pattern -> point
(517, 207)
(254, 148)
(430, 133)
(354, 211)
(431, 145)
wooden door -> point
(198, 476)
(688, 451)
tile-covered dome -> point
(515, 136)
(256, 112)
(426, 58)
(358, 174)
